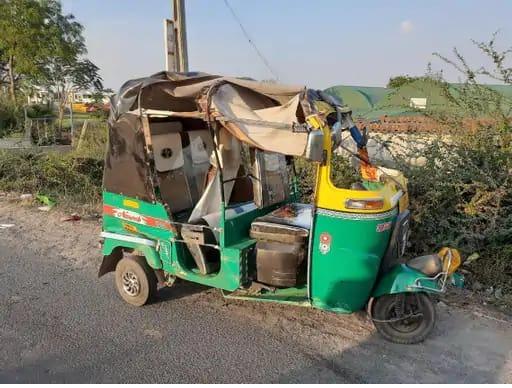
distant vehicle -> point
(79, 107)
(90, 107)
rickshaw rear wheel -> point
(405, 318)
(135, 280)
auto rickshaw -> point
(200, 184)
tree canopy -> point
(41, 45)
(400, 80)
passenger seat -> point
(293, 219)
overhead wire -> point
(251, 41)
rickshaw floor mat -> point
(293, 295)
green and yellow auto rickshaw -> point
(200, 184)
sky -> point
(315, 43)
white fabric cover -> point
(247, 116)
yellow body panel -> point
(328, 196)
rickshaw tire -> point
(381, 306)
(145, 276)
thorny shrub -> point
(462, 195)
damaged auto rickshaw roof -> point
(184, 88)
(265, 115)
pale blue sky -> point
(318, 43)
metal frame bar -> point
(196, 243)
(123, 237)
(441, 278)
(215, 229)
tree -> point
(66, 69)
(46, 47)
(23, 43)
(3, 72)
(63, 77)
(400, 80)
(99, 95)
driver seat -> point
(429, 265)
(290, 223)
(282, 237)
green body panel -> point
(294, 295)
(172, 256)
(372, 185)
(457, 280)
(404, 279)
(150, 253)
(117, 225)
(343, 276)
(234, 261)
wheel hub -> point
(131, 284)
(407, 308)
(407, 325)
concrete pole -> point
(170, 46)
(181, 35)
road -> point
(60, 323)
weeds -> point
(10, 116)
(72, 181)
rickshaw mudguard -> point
(402, 278)
(114, 241)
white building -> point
(41, 96)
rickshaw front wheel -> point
(135, 280)
(405, 318)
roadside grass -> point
(73, 180)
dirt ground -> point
(471, 343)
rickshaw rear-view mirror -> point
(315, 146)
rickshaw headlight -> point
(364, 204)
(450, 258)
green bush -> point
(72, 181)
(462, 197)
(39, 110)
(10, 117)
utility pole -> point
(176, 54)
(181, 34)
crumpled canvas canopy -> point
(265, 115)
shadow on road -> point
(453, 354)
(180, 289)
